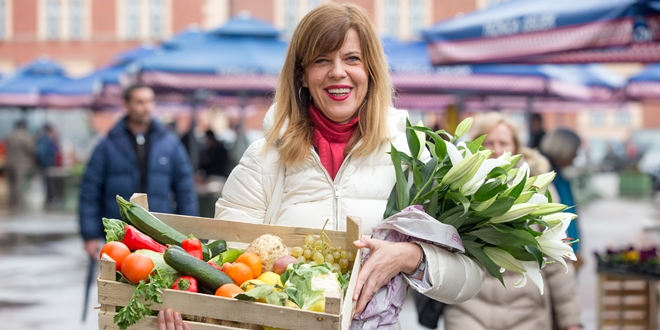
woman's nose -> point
(497, 151)
(337, 71)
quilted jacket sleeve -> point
(563, 291)
(454, 277)
(243, 195)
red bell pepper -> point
(214, 265)
(193, 246)
(117, 230)
(185, 283)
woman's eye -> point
(354, 58)
(320, 60)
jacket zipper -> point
(335, 185)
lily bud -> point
(504, 259)
(548, 208)
(543, 180)
(460, 169)
(515, 212)
(556, 218)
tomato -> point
(137, 267)
(117, 251)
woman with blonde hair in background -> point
(497, 307)
(325, 147)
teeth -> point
(339, 90)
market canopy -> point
(23, 88)
(550, 31)
(243, 56)
(646, 84)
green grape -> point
(336, 268)
(296, 251)
(318, 244)
(343, 254)
(318, 257)
(309, 239)
(331, 249)
(336, 255)
(329, 258)
(301, 259)
(343, 263)
(312, 263)
(340, 248)
(350, 256)
(307, 254)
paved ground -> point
(42, 264)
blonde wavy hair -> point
(323, 31)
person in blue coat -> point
(139, 155)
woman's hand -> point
(386, 260)
(170, 320)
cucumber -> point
(207, 276)
(226, 256)
(147, 223)
(217, 247)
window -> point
(132, 19)
(156, 18)
(290, 16)
(76, 9)
(314, 3)
(3, 19)
(52, 19)
(623, 118)
(391, 9)
(597, 118)
(416, 11)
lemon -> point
(271, 278)
(271, 328)
(251, 284)
(318, 306)
(291, 304)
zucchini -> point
(147, 223)
(217, 247)
(207, 276)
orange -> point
(253, 261)
(238, 272)
(228, 290)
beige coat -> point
(20, 151)
(361, 188)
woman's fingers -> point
(170, 320)
(161, 320)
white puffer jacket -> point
(361, 188)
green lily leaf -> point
(536, 252)
(413, 140)
(390, 208)
(432, 207)
(498, 208)
(548, 195)
(459, 199)
(498, 172)
(517, 190)
(474, 250)
(519, 253)
(463, 127)
(489, 190)
(454, 216)
(402, 192)
(431, 148)
(476, 144)
(514, 238)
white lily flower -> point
(421, 136)
(515, 212)
(523, 172)
(533, 271)
(554, 219)
(454, 155)
(524, 197)
(479, 178)
(538, 199)
(552, 244)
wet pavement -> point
(43, 265)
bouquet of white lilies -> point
(460, 199)
(492, 203)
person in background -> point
(139, 155)
(19, 161)
(326, 141)
(214, 160)
(47, 152)
(536, 130)
(499, 307)
(560, 147)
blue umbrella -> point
(412, 72)
(646, 84)
(243, 56)
(550, 31)
(103, 82)
(22, 88)
(189, 37)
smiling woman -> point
(325, 157)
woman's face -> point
(500, 140)
(338, 82)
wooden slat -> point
(624, 307)
(349, 305)
(624, 322)
(353, 233)
(140, 199)
(237, 231)
(107, 273)
(624, 292)
(151, 323)
(117, 294)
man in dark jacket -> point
(139, 155)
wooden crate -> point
(235, 314)
(626, 303)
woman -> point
(327, 137)
(497, 307)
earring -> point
(300, 97)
